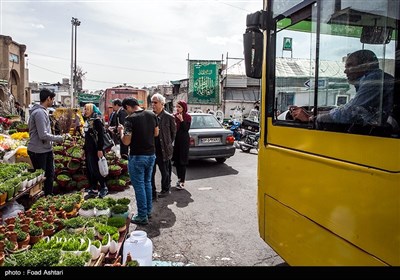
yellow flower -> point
(20, 135)
(22, 152)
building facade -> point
(14, 85)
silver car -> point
(209, 139)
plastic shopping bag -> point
(103, 166)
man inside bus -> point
(364, 110)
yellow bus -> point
(328, 191)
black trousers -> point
(181, 172)
(44, 161)
(165, 169)
(93, 172)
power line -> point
(94, 81)
(111, 66)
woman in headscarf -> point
(181, 144)
(94, 148)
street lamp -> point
(75, 23)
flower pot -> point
(102, 212)
(34, 239)
(48, 231)
(24, 243)
(86, 213)
(113, 247)
(10, 220)
(105, 248)
(95, 252)
(115, 172)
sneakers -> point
(164, 193)
(92, 193)
(103, 193)
(140, 221)
(177, 184)
(181, 186)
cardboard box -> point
(24, 159)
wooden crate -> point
(36, 189)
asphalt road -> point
(213, 222)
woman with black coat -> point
(93, 148)
(181, 145)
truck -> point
(121, 92)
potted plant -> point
(123, 201)
(48, 229)
(63, 179)
(23, 238)
(120, 210)
(115, 170)
(95, 249)
(102, 208)
(73, 166)
(87, 208)
(118, 222)
(22, 127)
(36, 234)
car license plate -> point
(211, 140)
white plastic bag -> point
(103, 166)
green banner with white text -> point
(204, 82)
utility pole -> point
(75, 23)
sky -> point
(137, 42)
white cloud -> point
(136, 42)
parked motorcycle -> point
(236, 130)
(249, 140)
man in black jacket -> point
(117, 118)
(163, 143)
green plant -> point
(119, 209)
(87, 205)
(47, 225)
(21, 235)
(22, 126)
(97, 243)
(35, 230)
(114, 167)
(115, 237)
(132, 263)
(106, 239)
(124, 201)
(63, 177)
(72, 244)
(68, 207)
(117, 222)
(84, 245)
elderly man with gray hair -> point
(163, 143)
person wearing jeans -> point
(138, 131)
(40, 146)
(140, 170)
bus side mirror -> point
(253, 53)
(253, 45)
(376, 35)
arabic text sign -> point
(203, 82)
